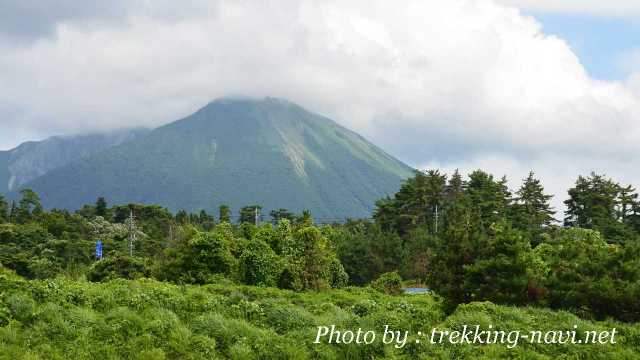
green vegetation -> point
(190, 285)
(147, 319)
(236, 152)
(33, 159)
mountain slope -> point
(237, 152)
(33, 159)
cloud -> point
(28, 20)
(453, 83)
(617, 8)
(629, 61)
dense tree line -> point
(185, 248)
(467, 238)
(473, 239)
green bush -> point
(148, 319)
(118, 267)
(259, 264)
(388, 283)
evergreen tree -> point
(489, 198)
(29, 206)
(532, 211)
(601, 204)
(277, 215)
(592, 202)
(629, 208)
(415, 204)
(454, 248)
(13, 212)
(455, 187)
(501, 272)
(305, 219)
(206, 221)
(250, 214)
(224, 213)
(101, 207)
(4, 210)
(182, 217)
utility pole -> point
(132, 232)
(436, 227)
(256, 218)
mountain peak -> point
(246, 99)
(236, 151)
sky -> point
(508, 85)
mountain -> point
(33, 159)
(237, 152)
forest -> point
(204, 285)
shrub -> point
(287, 317)
(259, 264)
(388, 283)
(119, 266)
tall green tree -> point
(101, 207)
(504, 269)
(13, 212)
(29, 206)
(277, 215)
(532, 211)
(4, 210)
(454, 247)
(415, 204)
(488, 197)
(206, 221)
(182, 217)
(250, 214)
(589, 275)
(598, 203)
(455, 187)
(224, 213)
(310, 262)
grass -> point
(147, 319)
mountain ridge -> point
(33, 159)
(238, 152)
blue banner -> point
(99, 250)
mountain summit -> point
(237, 152)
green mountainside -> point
(237, 152)
(33, 159)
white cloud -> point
(454, 82)
(618, 8)
(629, 61)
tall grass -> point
(147, 319)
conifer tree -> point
(224, 213)
(489, 198)
(4, 210)
(182, 217)
(29, 206)
(101, 207)
(531, 209)
(249, 214)
(277, 215)
(13, 212)
(455, 187)
(601, 204)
